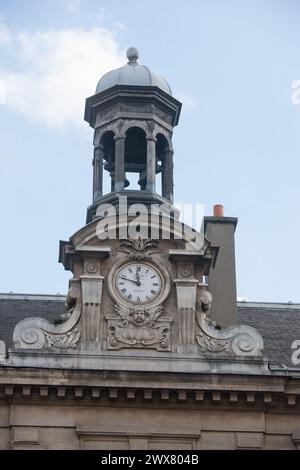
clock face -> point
(138, 283)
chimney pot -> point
(218, 210)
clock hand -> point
(138, 282)
(127, 279)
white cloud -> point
(57, 70)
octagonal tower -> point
(133, 113)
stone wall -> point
(121, 426)
(64, 409)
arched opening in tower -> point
(162, 149)
(136, 158)
(108, 145)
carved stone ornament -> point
(92, 268)
(120, 125)
(240, 340)
(39, 333)
(150, 126)
(204, 299)
(186, 271)
(138, 327)
(138, 249)
(209, 344)
(66, 340)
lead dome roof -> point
(132, 73)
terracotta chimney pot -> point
(218, 210)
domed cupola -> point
(132, 73)
(133, 113)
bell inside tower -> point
(136, 155)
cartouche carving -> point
(138, 327)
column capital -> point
(119, 138)
(99, 146)
(151, 139)
(98, 153)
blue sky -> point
(232, 63)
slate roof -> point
(279, 324)
(13, 308)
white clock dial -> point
(138, 283)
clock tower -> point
(138, 273)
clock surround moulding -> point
(138, 325)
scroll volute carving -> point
(239, 340)
(39, 333)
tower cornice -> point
(133, 94)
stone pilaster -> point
(91, 283)
(186, 291)
(91, 294)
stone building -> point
(142, 353)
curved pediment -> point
(112, 228)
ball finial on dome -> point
(132, 54)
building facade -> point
(149, 349)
